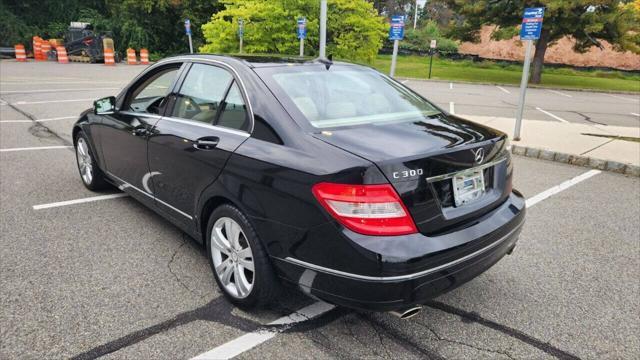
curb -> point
(599, 164)
(518, 86)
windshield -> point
(345, 96)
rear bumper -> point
(447, 270)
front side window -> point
(201, 94)
(149, 97)
(345, 96)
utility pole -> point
(323, 28)
(415, 17)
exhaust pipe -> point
(406, 313)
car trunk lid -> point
(420, 159)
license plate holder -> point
(468, 186)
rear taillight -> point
(366, 209)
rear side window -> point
(234, 110)
(202, 93)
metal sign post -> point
(396, 33)
(432, 49)
(240, 32)
(323, 28)
(302, 33)
(531, 28)
(187, 30)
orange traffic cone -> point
(21, 54)
(144, 56)
(109, 58)
(46, 49)
(131, 57)
(37, 49)
(62, 55)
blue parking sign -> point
(302, 28)
(187, 27)
(396, 31)
(532, 23)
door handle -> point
(207, 143)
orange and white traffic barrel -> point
(131, 57)
(62, 55)
(144, 56)
(109, 58)
(46, 49)
(21, 54)
(37, 49)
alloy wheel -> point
(85, 163)
(232, 257)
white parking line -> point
(29, 83)
(248, 341)
(503, 89)
(53, 90)
(452, 107)
(634, 114)
(450, 85)
(404, 81)
(552, 115)
(558, 188)
(559, 93)
(35, 148)
(78, 201)
(623, 98)
(38, 120)
(49, 101)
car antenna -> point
(326, 61)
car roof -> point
(255, 61)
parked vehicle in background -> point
(329, 176)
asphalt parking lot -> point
(111, 278)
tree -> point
(587, 21)
(394, 7)
(354, 28)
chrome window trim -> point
(452, 174)
(141, 114)
(127, 185)
(207, 126)
(228, 67)
(407, 276)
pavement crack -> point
(473, 317)
(442, 338)
(380, 339)
(587, 118)
(175, 275)
(402, 339)
(38, 130)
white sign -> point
(433, 44)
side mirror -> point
(105, 106)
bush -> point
(419, 40)
(354, 29)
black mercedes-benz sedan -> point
(326, 175)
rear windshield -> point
(344, 95)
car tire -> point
(253, 288)
(92, 177)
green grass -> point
(492, 72)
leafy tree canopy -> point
(587, 21)
(354, 28)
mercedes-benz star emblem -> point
(478, 155)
